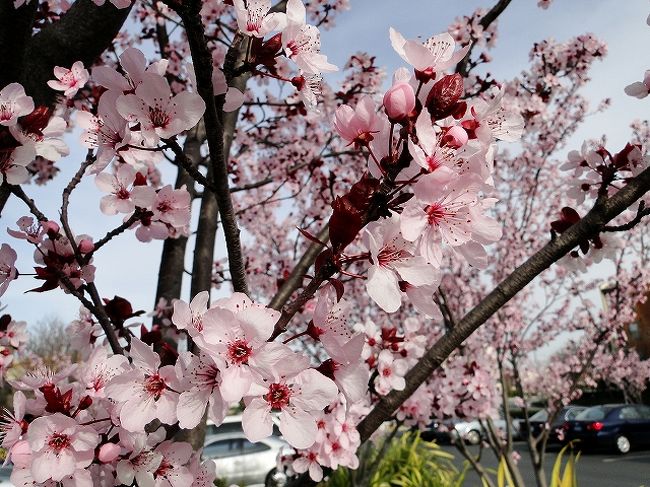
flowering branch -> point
(96, 307)
(604, 210)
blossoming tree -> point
(353, 218)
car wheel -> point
(622, 444)
(275, 479)
(473, 437)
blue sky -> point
(129, 268)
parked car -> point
(239, 461)
(539, 419)
(233, 424)
(613, 426)
(471, 431)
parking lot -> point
(594, 469)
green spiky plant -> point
(405, 461)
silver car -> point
(239, 461)
(472, 432)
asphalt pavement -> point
(594, 469)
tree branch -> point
(215, 138)
(83, 33)
(463, 66)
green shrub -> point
(406, 461)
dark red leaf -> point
(309, 236)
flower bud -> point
(51, 228)
(444, 96)
(86, 246)
(455, 137)
(399, 101)
(108, 452)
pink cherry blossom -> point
(356, 125)
(491, 120)
(301, 41)
(391, 373)
(13, 425)
(190, 316)
(47, 141)
(16, 334)
(308, 461)
(60, 446)
(14, 103)
(172, 471)
(254, 19)
(446, 214)
(100, 369)
(30, 231)
(429, 152)
(107, 131)
(69, 80)
(202, 388)
(134, 66)
(123, 197)
(204, 472)
(172, 206)
(234, 330)
(435, 55)
(393, 260)
(147, 392)
(291, 388)
(140, 465)
(14, 162)
(8, 270)
(160, 114)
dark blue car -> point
(613, 426)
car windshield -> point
(539, 416)
(597, 413)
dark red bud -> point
(444, 96)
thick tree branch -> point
(603, 211)
(15, 32)
(215, 138)
(83, 33)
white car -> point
(233, 424)
(239, 461)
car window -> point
(573, 412)
(629, 412)
(250, 447)
(597, 413)
(232, 427)
(644, 411)
(223, 448)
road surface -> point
(594, 469)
